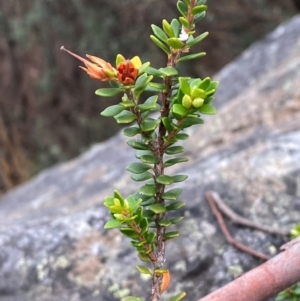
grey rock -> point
(52, 243)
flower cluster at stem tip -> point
(126, 71)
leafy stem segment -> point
(180, 100)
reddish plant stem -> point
(264, 281)
(159, 146)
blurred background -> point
(48, 110)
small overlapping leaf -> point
(168, 71)
(150, 159)
(112, 224)
(179, 178)
(165, 180)
(179, 110)
(138, 168)
(175, 24)
(207, 109)
(172, 194)
(175, 43)
(148, 190)
(171, 235)
(197, 40)
(160, 44)
(172, 150)
(174, 161)
(112, 111)
(182, 136)
(138, 145)
(149, 125)
(132, 131)
(108, 92)
(165, 223)
(175, 206)
(143, 270)
(191, 56)
(159, 33)
(125, 117)
(157, 208)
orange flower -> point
(96, 68)
(128, 70)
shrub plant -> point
(176, 102)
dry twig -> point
(211, 197)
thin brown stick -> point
(237, 219)
(227, 234)
(265, 281)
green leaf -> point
(153, 71)
(197, 40)
(191, 56)
(182, 136)
(127, 104)
(213, 85)
(143, 270)
(207, 109)
(184, 21)
(133, 203)
(150, 159)
(164, 223)
(108, 92)
(182, 8)
(198, 9)
(152, 100)
(175, 206)
(150, 237)
(168, 71)
(189, 121)
(125, 117)
(175, 24)
(155, 87)
(175, 43)
(168, 28)
(176, 220)
(137, 145)
(149, 125)
(113, 223)
(179, 110)
(172, 194)
(143, 257)
(164, 179)
(167, 122)
(179, 178)
(141, 84)
(199, 17)
(172, 150)
(144, 225)
(195, 82)
(117, 195)
(174, 298)
(159, 33)
(112, 111)
(138, 168)
(129, 232)
(205, 83)
(131, 131)
(160, 44)
(148, 190)
(171, 235)
(143, 68)
(184, 85)
(157, 208)
(150, 201)
(174, 161)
